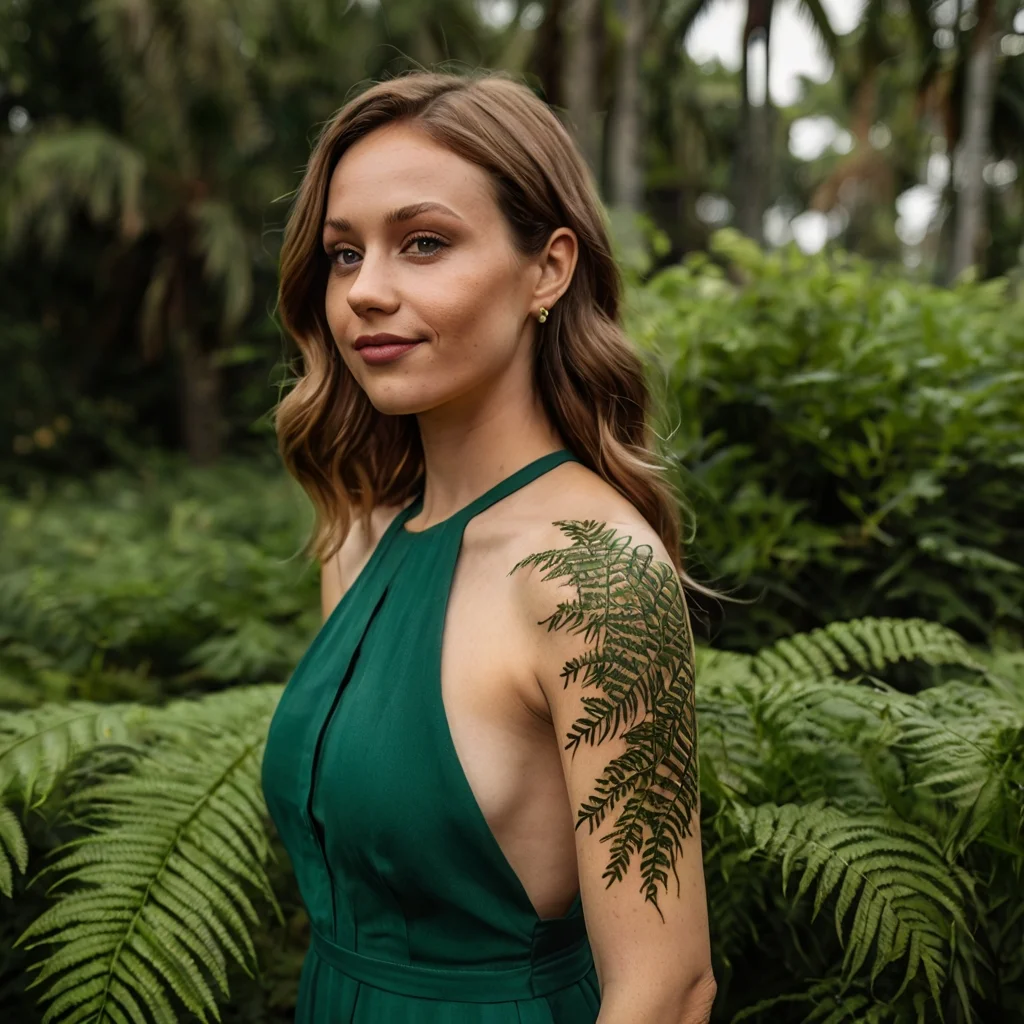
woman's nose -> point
(372, 286)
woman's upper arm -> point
(338, 572)
(613, 653)
(330, 584)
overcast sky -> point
(795, 51)
(794, 48)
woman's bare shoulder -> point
(562, 515)
(581, 495)
(602, 608)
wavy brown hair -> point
(348, 456)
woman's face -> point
(447, 276)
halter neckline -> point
(520, 478)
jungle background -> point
(827, 290)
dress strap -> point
(520, 478)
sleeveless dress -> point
(417, 916)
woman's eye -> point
(429, 239)
(339, 256)
(435, 245)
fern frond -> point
(961, 744)
(817, 994)
(36, 746)
(160, 880)
(13, 846)
(903, 895)
(861, 645)
(721, 670)
(731, 750)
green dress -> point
(417, 916)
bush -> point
(851, 442)
(134, 587)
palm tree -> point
(173, 180)
(959, 90)
(691, 125)
(579, 77)
(626, 170)
(548, 53)
(981, 67)
(876, 70)
(755, 157)
(977, 103)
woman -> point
(483, 829)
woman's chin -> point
(400, 405)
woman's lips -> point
(375, 354)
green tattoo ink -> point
(634, 607)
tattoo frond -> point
(631, 610)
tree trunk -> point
(201, 418)
(626, 162)
(579, 85)
(755, 152)
(548, 57)
(979, 96)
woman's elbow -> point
(698, 1000)
(690, 1004)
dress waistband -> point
(540, 978)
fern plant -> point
(36, 747)
(159, 879)
(900, 811)
(863, 844)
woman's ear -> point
(557, 263)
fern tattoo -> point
(643, 664)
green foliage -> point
(897, 815)
(902, 813)
(160, 874)
(60, 172)
(132, 587)
(143, 199)
(36, 748)
(907, 894)
(834, 421)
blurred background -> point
(149, 150)
(818, 206)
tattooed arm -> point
(612, 651)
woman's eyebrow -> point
(395, 216)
